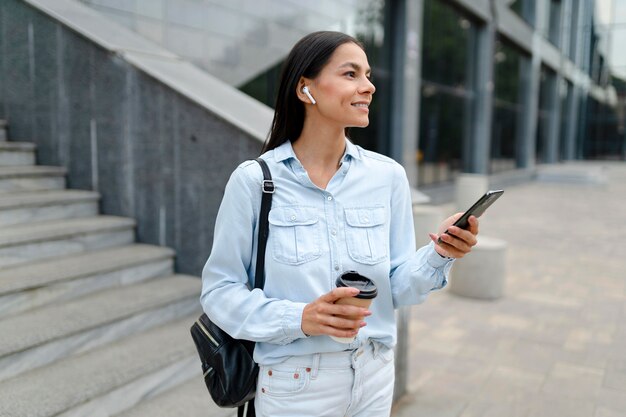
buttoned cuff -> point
(292, 322)
(435, 260)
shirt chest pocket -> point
(295, 234)
(365, 234)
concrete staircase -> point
(91, 323)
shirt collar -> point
(285, 151)
(352, 150)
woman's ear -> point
(303, 91)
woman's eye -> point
(351, 74)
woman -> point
(337, 207)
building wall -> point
(525, 67)
(502, 84)
(464, 85)
(233, 40)
(153, 154)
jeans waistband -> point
(337, 360)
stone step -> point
(33, 206)
(190, 399)
(39, 337)
(31, 178)
(36, 284)
(17, 153)
(107, 380)
(40, 240)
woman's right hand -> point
(324, 317)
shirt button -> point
(330, 197)
(293, 218)
(333, 232)
(336, 267)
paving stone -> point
(555, 343)
(511, 385)
(190, 399)
(497, 409)
(616, 375)
(611, 399)
(607, 412)
(462, 377)
(553, 406)
(431, 403)
(574, 380)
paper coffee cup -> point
(368, 292)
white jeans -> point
(356, 383)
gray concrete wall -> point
(233, 40)
(153, 153)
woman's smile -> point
(362, 106)
(345, 81)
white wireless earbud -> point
(305, 90)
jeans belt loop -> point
(315, 366)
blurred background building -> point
(153, 103)
(495, 87)
(500, 85)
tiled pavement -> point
(555, 344)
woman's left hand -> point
(455, 242)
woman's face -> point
(343, 90)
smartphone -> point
(478, 208)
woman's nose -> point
(367, 86)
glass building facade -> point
(507, 105)
(447, 93)
(484, 95)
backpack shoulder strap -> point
(267, 188)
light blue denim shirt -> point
(362, 221)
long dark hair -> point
(306, 59)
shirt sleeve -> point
(414, 274)
(226, 297)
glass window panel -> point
(566, 97)
(574, 30)
(546, 107)
(554, 22)
(447, 92)
(581, 126)
(503, 137)
(524, 8)
(264, 86)
(441, 136)
(444, 51)
(507, 106)
(603, 139)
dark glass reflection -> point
(554, 22)
(264, 86)
(447, 92)
(524, 8)
(546, 107)
(507, 106)
(603, 139)
(573, 30)
(566, 98)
